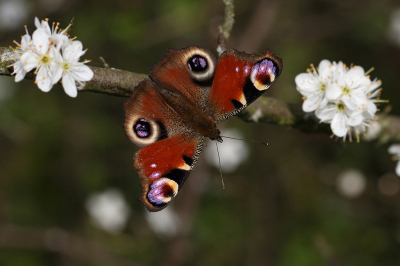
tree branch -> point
(226, 28)
(105, 80)
(122, 83)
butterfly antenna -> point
(219, 161)
(259, 142)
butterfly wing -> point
(171, 146)
(188, 72)
(239, 80)
(164, 166)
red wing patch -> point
(230, 77)
(164, 166)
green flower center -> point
(322, 87)
(341, 107)
(66, 66)
(45, 60)
(346, 91)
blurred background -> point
(68, 190)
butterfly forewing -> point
(239, 80)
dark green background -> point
(280, 207)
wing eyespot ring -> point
(162, 191)
(142, 131)
(264, 73)
(200, 64)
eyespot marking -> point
(264, 73)
(144, 131)
(142, 128)
(200, 65)
(162, 191)
(197, 63)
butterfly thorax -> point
(193, 115)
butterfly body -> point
(170, 114)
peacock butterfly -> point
(187, 94)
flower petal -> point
(326, 114)
(324, 69)
(73, 51)
(355, 73)
(69, 85)
(312, 102)
(55, 55)
(43, 79)
(355, 120)
(30, 60)
(333, 91)
(339, 124)
(25, 42)
(56, 74)
(371, 108)
(20, 75)
(37, 23)
(82, 73)
(60, 39)
(307, 82)
(40, 41)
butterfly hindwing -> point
(164, 166)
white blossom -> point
(312, 85)
(348, 86)
(54, 57)
(345, 97)
(395, 150)
(71, 70)
(42, 57)
(55, 36)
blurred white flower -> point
(394, 29)
(373, 131)
(42, 52)
(351, 183)
(13, 13)
(108, 210)
(345, 97)
(395, 150)
(231, 152)
(165, 223)
(389, 184)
